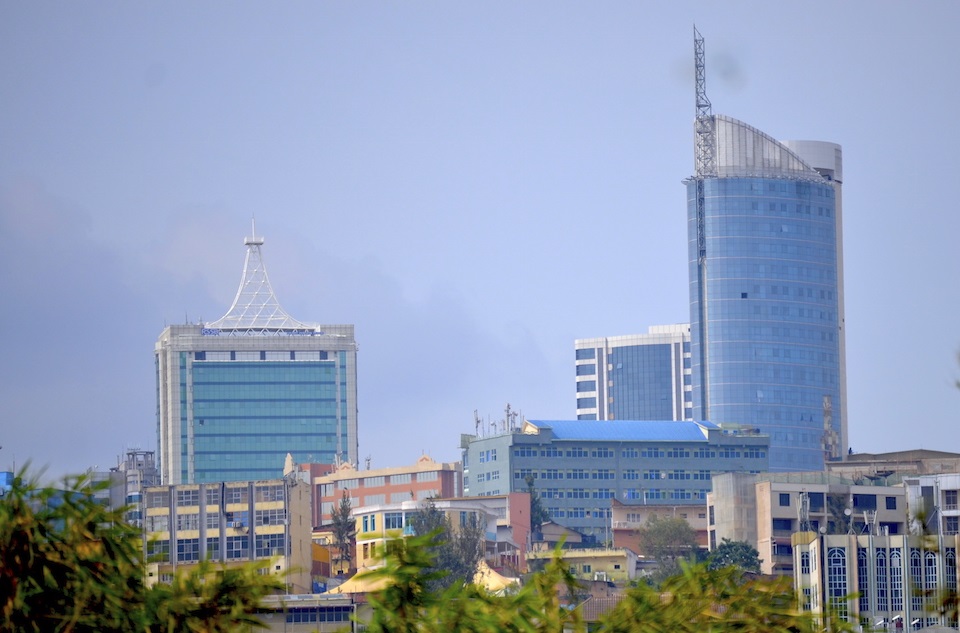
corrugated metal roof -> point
(636, 430)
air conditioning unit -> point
(236, 525)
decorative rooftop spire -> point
(255, 308)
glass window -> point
(891, 503)
(785, 499)
(585, 354)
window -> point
(525, 451)
(238, 547)
(586, 354)
(189, 497)
(269, 492)
(950, 499)
(587, 569)
(630, 453)
(891, 503)
(951, 525)
(586, 370)
(785, 499)
(236, 494)
(804, 562)
(269, 545)
(783, 524)
(577, 452)
(400, 479)
(393, 520)
(551, 451)
(865, 502)
(188, 521)
(376, 482)
(601, 453)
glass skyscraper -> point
(234, 396)
(635, 377)
(766, 293)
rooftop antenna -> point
(705, 167)
(706, 162)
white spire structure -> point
(255, 309)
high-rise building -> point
(635, 377)
(234, 396)
(766, 291)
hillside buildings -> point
(636, 377)
(577, 467)
(236, 395)
(766, 286)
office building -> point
(231, 523)
(635, 377)
(578, 466)
(766, 286)
(236, 395)
(934, 502)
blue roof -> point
(625, 430)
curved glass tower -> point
(766, 293)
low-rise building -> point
(233, 523)
(933, 502)
(628, 517)
(881, 582)
(765, 509)
(578, 467)
(617, 565)
(423, 480)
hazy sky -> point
(473, 185)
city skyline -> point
(439, 176)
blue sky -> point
(474, 185)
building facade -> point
(423, 480)
(933, 502)
(236, 395)
(232, 523)
(766, 509)
(637, 377)
(881, 582)
(766, 287)
(577, 467)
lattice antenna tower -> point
(706, 167)
(706, 159)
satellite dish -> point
(847, 512)
(823, 529)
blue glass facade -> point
(635, 377)
(247, 415)
(765, 311)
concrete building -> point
(876, 466)
(881, 582)
(232, 523)
(424, 479)
(628, 517)
(765, 509)
(577, 467)
(766, 286)
(236, 395)
(618, 565)
(637, 377)
(378, 524)
(137, 471)
(933, 503)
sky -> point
(474, 185)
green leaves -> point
(68, 563)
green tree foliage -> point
(538, 513)
(67, 563)
(408, 605)
(456, 550)
(344, 529)
(703, 599)
(738, 554)
(668, 540)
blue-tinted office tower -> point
(766, 291)
(234, 396)
(635, 377)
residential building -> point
(766, 286)
(578, 466)
(617, 565)
(765, 509)
(880, 582)
(636, 377)
(232, 523)
(424, 479)
(236, 395)
(378, 524)
(628, 516)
